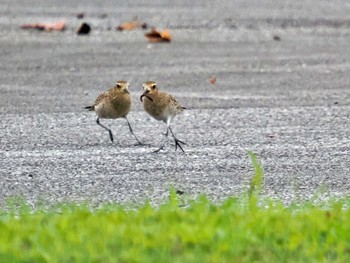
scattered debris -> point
(131, 25)
(212, 80)
(80, 15)
(102, 16)
(128, 26)
(58, 26)
(276, 38)
(144, 26)
(84, 29)
(158, 36)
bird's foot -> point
(159, 149)
(177, 144)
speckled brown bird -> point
(112, 104)
(161, 106)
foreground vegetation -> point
(238, 230)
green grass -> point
(243, 229)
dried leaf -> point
(158, 36)
(212, 80)
(166, 35)
(58, 26)
(128, 26)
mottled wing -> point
(101, 97)
(174, 103)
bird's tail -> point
(90, 108)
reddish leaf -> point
(166, 35)
(59, 26)
(158, 36)
(212, 80)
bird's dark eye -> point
(154, 86)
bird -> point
(163, 107)
(112, 104)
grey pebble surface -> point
(282, 91)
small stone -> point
(179, 192)
(84, 29)
(276, 38)
(80, 15)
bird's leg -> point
(177, 141)
(163, 142)
(139, 142)
(104, 127)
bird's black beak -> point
(145, 95)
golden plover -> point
(112, 104)
(161, 106)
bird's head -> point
(149, 88)
(122, 86)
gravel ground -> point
(282, 91)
